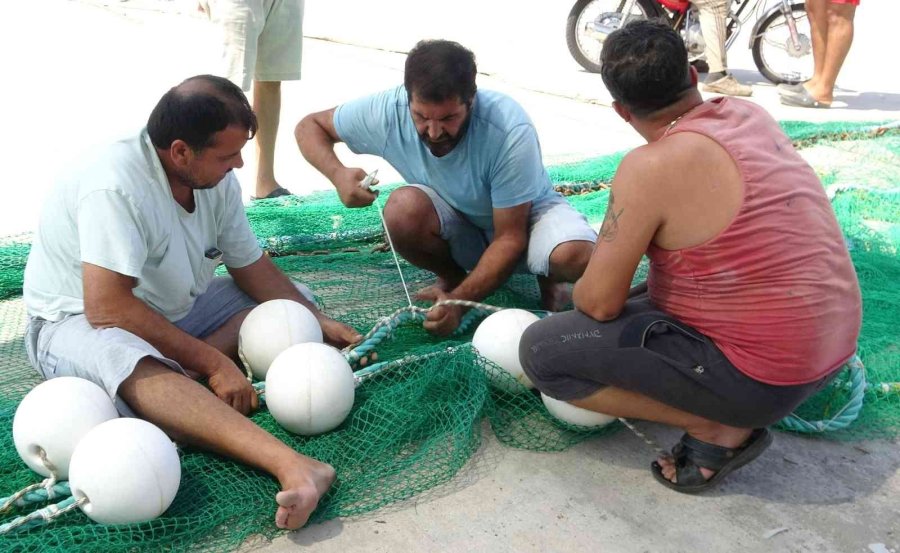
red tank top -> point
(776, 290)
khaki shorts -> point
(552, 221)
(262, 39)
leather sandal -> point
(690, 454)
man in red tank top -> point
(751, 304)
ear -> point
(622, 111)
(180, 153)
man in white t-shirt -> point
(120, 288)
(479, 204)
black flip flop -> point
(690, 454)
(277, 193)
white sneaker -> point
(729, 86)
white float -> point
(571, 414)
(272, 327)
(497, 340)
(128, 470)
(54, 416)
(310, 388)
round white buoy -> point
(54, 416)
(310, 388)
(497, 340)
(128, 470)
(571, 414)
(272, 327)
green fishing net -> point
(414, 425)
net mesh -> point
(413, 427)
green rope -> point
(37, 493)
(43, 516)
(846, 415)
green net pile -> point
(414, 426)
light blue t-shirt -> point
(497, 164)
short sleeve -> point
(238, 243)
(363, 124)
(518, 175)
(111, 233)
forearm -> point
(135, 316)
(496, 265)
(317, 147)
(263, 281)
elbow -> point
(598, 308)
(99, 316)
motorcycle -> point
(780, 40)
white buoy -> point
(54, 416)
(497, 340)
(272, 327)
(128, 470)
(310, 388)
(571, 414)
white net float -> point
(272, 327)
(497, 340)
(310, 389)
(126, 471)
(53, 417)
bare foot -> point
(725, 436)
(303, 486)
(555, 296)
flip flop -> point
(277, 193)
(690, 454)
(795, 88)
(801, 98)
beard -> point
(194, 181)
(446, 142)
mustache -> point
(446, 137)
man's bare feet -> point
(721, 435)
(302, 487)
(555, 296)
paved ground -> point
(85, 71)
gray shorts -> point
(107, 356)
(552, 222)
(570, 356)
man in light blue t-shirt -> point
(479, 205)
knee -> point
(840, 16)
(569, 260)
(408, 212)
(532, 354)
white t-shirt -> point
(117, 211)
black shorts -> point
(570, 356)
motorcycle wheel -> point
(774, 53)
(585, 48)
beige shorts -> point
(262, 39)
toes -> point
(293, 512)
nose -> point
(239, 162)
(435, 130)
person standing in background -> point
(831, 27)
(263, 44)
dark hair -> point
(439, 70)
(645, 67)
(198, 108)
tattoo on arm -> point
(610, 228)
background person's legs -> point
(267, 106)
(831, 27)
(712, 24)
